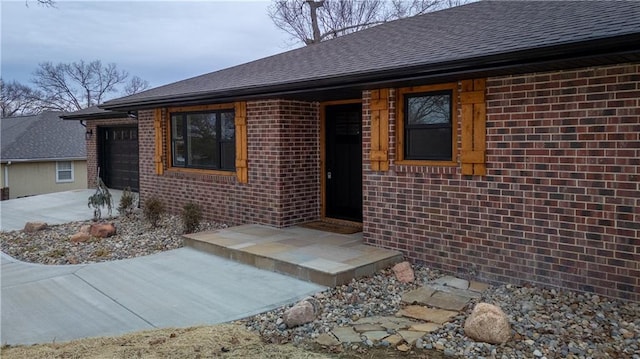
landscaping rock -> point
(80, 237)
(404, 273)
(488, 323)
(31, 227)
(439, 316)
(327, 340)
(102, 230)
(301, 313)
(418, 296)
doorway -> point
(343, 161)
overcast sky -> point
(160, 41)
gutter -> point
(568, 54)
(28, 160)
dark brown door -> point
(119, 157)
(343, 172)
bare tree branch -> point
(71, 87)
(17, 99)
(45, 3)
(135, 85)
(313, 21)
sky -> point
(159, 41)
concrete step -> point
(320, 257)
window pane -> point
(202, 145)
(228, 125)
(64, 175)
(178, 153)
(64, 166)
(429, 109)
(228, 157)
(429, 144)
(64, 171)
(176, 127)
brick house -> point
(498, 139)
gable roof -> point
(43, 137)
(481, 37)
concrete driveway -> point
(52, 208)
(178, 288)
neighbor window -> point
(64, 171)
(427, 124)
(203, 140)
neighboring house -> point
(494, 139)
(41, 154)
(112, 146)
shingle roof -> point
(474, 31)
(41, 137)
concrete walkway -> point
(182, 287)
(52, 208)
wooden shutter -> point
(474, 118)
(242, 170)
(157, 127)
(379, 108)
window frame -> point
(194, 110)
(70, 169)
(401, 95)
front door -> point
(343, 158)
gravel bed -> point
(134, 237)
(546, 323)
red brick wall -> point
(283, 160)
(92, 144)
(560, 204)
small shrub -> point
(101, 252)
(191, 217)
(127, 202)
(56, 253)
(100, 199)
(153, 210)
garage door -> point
(119, 157)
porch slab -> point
(324, 258)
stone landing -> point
(320, 257)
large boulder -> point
(31, 227)
(302, 312)
(80, 237)
(102, 230)
(488, 323)
(404, 273)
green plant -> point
(127, 202)
(153, 210)
(101, 252)
(56, 253)
(100, 199)
(191, 217)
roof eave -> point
(567, 54)
(100, 116)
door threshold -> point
(342, 222)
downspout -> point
(6, 174)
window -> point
(426, 124)
(64, 171)
(203, 140)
